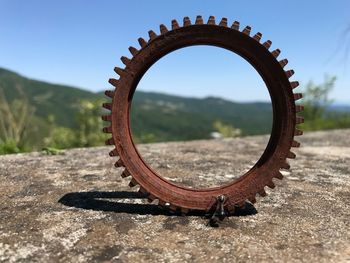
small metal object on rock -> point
(246, 45)
(219, 213)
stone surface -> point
(75, 207)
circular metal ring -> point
(266, 64)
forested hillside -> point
(36, 114)
(155, 116)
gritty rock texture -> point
(76, 207)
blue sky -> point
(78, 42)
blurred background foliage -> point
(318, 111)
(38, 116)
(88, 132)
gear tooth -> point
(125, 60)
(174, 24)
(235, 25)
(271, 185)
(199, 20)
(298, 132)
(133, 182)
(298, 96)
(109, 141)
(161, 203)
(119, 71)
(276, 52)
(299, 108)
(107, 129)
(211, 20)
(114, 82)
(299, 120)
(113, 153)
(252, 199)
(267, 44)
(152, 34)
(278, 175)
(257, 36)
(230, 208)
(285, 165)
(295, 144)
(119, 163)
(173, 208)
(109, 93)
(142, 42)
(106, 117)
(143, 191)
(187, 21)
(133, 51)
(151, 198)
(262, 193)
(241, 204)
(289, 73)
(107, 105)
(294, 84)
(247, 30)
(163, 29)
(283, 62)
(223, 22)
(125, 173)
(184, 211)
(291, 155)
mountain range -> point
(166, 117)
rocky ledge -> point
(75, 207)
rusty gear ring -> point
(270, 69)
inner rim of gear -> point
(266, 64)
(187, 172)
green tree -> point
(316, 107)
(61, 138)
(226, 130)
(15, 118)
(316, 98)
(89, 131)
(90, 124)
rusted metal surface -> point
(283, 99)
